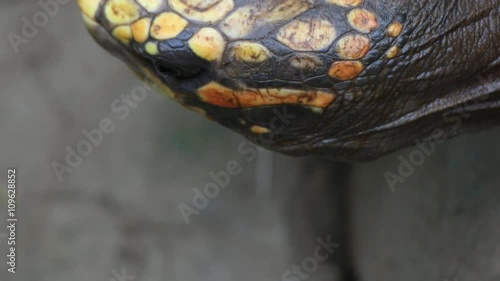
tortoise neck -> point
(451, 40)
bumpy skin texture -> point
(349, 80)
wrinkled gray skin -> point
(444, 83)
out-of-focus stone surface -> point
(118, 210)
(442, 223)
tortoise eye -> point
(177, 71)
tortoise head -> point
(297, 76)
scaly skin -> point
(349, 80)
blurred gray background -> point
(118, 210)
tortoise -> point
(349, 80)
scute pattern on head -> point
(363, 20)
(140, 30)
(217, 94)
(123, 33)
(392, 52)
(208, 44)
(353, 46)
(306, 62)
(346, 3)
(346, 70)
(242, 22)
(312, 35)
(89, 7)
(259, 130)
(395, 29)
(250, 52)
(152, 6)
(209, 11)
(167, 25)
(151, 48)
(122, 11)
